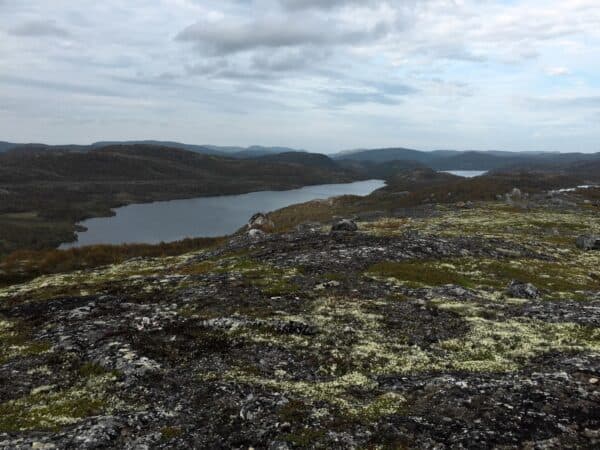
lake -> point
(202, 217)
(466, 173)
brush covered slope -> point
(460, 326)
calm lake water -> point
(202, 217)
(466, 173)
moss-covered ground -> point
(384, 338)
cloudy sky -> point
(313, 74)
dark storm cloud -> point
(229, 37)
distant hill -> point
(472, 161)
(232, 151)
(258, 150)
(466, 160)
(585, 167)
(5, 146)
(315, 160)
(386, 154)
(142, 162)
(205, 149)
(383, 170)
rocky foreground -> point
(471, 326)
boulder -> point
(588, 242)
(514, 196)
(344, 225)
(308, 227)
(256, 235)
(260, 221)
(518, 289)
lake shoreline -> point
(205, 216)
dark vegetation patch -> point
(24, 265)
(492, 273)
(182, 342)
(419, 273)
(415, 323)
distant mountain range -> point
(375, 161)
(234, 152)
(468, 160)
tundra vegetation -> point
(401, 334)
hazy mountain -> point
(259, 150)
(205, 149)
(148, 162)
(380, 170)
(232, 151)
(387, 154)
(315, 160)
(5, 146)
(466, 160)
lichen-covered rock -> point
(518, 289)
(515, 195)
(256, 235)
(260, 221)
(344, 225)
(588, 242)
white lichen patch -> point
(354, 348)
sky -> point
(318, 75)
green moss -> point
(386, 404)
(420, 273)
(201, 268)
(305, 438)
(561, 278)
(168, 433)
(271, 280)
(295, 411)
(15, 341)
(92, 370)
(49, 409)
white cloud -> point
(558, 71)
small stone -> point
(593, 380)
